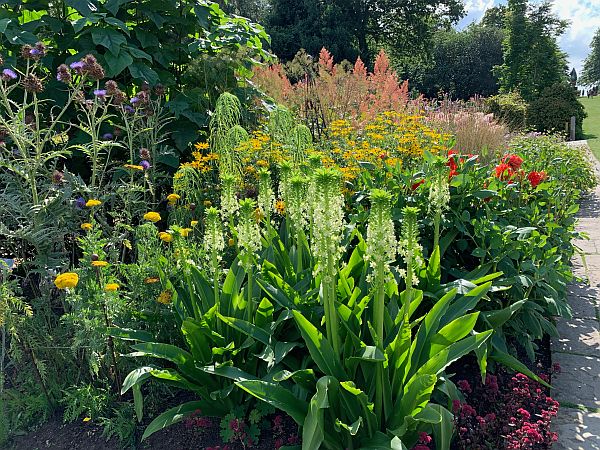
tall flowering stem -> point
(229, 202)
(328, 219)
(248, 234)
(381, 251)
(439, 199)
(410, 249)
(297, 213)
(214, 244)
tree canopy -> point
(591, 67)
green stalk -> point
(436, 229)
(331, 323)
(249, 306)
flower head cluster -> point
(266, 196)
(214, 243)
(248, 234)
(229, 202)
(328, 220)
(439, 192)
(409, 247)
(285, 175)
(535, 178)
(296, 203)
(381, 239)
(66, 280)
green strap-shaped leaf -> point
(278, 397)
(313, 432)
(443, 430)
(172, 416)
(513, 363)
(453, 332)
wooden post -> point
(572, 129)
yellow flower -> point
(151, 280)
(111, 287)
(66, 280)
(99, 263)
(165, 297)
(231, 242)
(207, 203)
(92, 202)
(133, 167)
(185, 231)
(172, 198)
(152, 216)
(201, 145)
(280, 206)
(193, 223)
(86, 226)
(165, 236)
(87, 419)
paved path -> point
(577, 387)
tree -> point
(573, 77)
(461, 63)
(349, 28)
(532, 57)
(591, 66)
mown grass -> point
(591, 125)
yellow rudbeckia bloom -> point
(185, 231)
(99, 263)
(165, 236)
(165, 297)
(172, 198)
(93, 202)
(111, 287)
(152, 216)
(193, 223)
(66, 280)
(86, 226)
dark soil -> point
(88, 436)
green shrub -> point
(509, 108)
(554, 109)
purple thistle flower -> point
(35, 52)
(76, 65)
(8, 74)
(134, 100)
(107, 136)
(129, 109)
(145, 164)
(101, 93)
(80, 203)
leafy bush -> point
(553, 110)
(510, 108)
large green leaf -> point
(135, 377)
(454, 331)
(443, 430)
(141, 71)
(166, 351)
(109, 38)
(117, 64)
(513, 363)
(172, 416)
(313, 431)
(278, 397)
(248, 329)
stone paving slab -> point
(579, 380)
(578, 335)
(577, 430)
(584, 300)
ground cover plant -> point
(332, 277)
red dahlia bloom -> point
(535, 178)
(514, 161)
(503, 171)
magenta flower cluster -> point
(506, 412)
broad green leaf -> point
(141, 71)
(166, 351)
(443, 430)
(109, 38)
(130, 335)
(434, 271)
(248, 329)
(499, 317)
(513, 363)
(278, 397)
(138, 402)
(313, 432)
(454, 331)
(172, 416)
(136, 376)
(117, 64)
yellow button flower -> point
(93, 202)
(152, 216)
(185, 231)
(86, 226)
(165, 236)
(111, 287)
(193, 223)
(165, 297)
(99, 263)
(172, 198)
(66, 280)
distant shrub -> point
(554, 109)
(510, 109)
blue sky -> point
(583, 15)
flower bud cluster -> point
(214, 242)
(229, 202)
(439, 191)
(409, 247)
(266, 196)
(381, 239)
(248, 234)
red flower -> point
(514, 161)
(503, 171)
(535, 178)
(452, 161)
(417, 184)
(453, 173)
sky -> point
(583, 15)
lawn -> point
(591, 125)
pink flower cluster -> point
(507, 412)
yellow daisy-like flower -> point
(185, 231)
(207, 203)
(133, 167)
(151, 280)
(165, 297)
(193, 223)
(86, 226)
(231, 242)
(99, 263)
(165, 236)
(66, 280)
(280, 207)
(172, 198)
(93, 202)
(152, 216)
(201, 145)
(111, 287)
